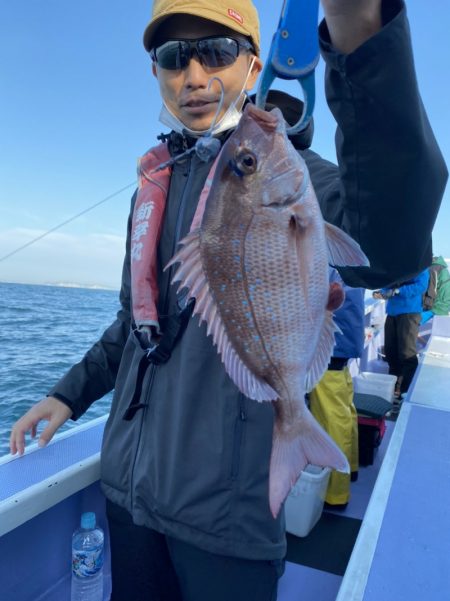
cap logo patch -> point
(236, 16)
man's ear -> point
(255, 71)
(154, 70)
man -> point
(185, 456)
(401, 328)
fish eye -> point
(244, 162)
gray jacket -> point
(193, 461)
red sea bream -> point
(258, 269)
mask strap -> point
(249, 70)
(243, 90)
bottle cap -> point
(88, 520)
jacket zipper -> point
(147, 395)
(238, 433)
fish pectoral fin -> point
(342, 249)
(324, 349)
(290, 456)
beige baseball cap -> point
(239, 15)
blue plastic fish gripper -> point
(294, 54)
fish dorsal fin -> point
(191, 275)
(343, 250)
(323, 352)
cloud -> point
(91, 259)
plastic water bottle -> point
(87, 561)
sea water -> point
(44, 330)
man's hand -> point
(51, 409)
(385, 294)
(351, 22)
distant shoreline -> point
(65, 285)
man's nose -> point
(195, 75)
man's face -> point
(185, 91)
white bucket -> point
(304, 504)
(381, 385)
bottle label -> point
(87, 563)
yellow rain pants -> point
(331, 403)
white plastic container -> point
(378, 384)
(304, 504)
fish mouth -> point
(267, 121)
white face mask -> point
(230, 118)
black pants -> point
(400, 339)
(149, 566)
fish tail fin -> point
(290, 455)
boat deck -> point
(390, 543)
(403, 549)
(317, 563)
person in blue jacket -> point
(401, 328)
(331, 401)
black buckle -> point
(173, 327)
(135, 405)
(158, 355)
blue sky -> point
(78, 105)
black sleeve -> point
(391, 176)
(95, 374)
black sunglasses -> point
(213, 52)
